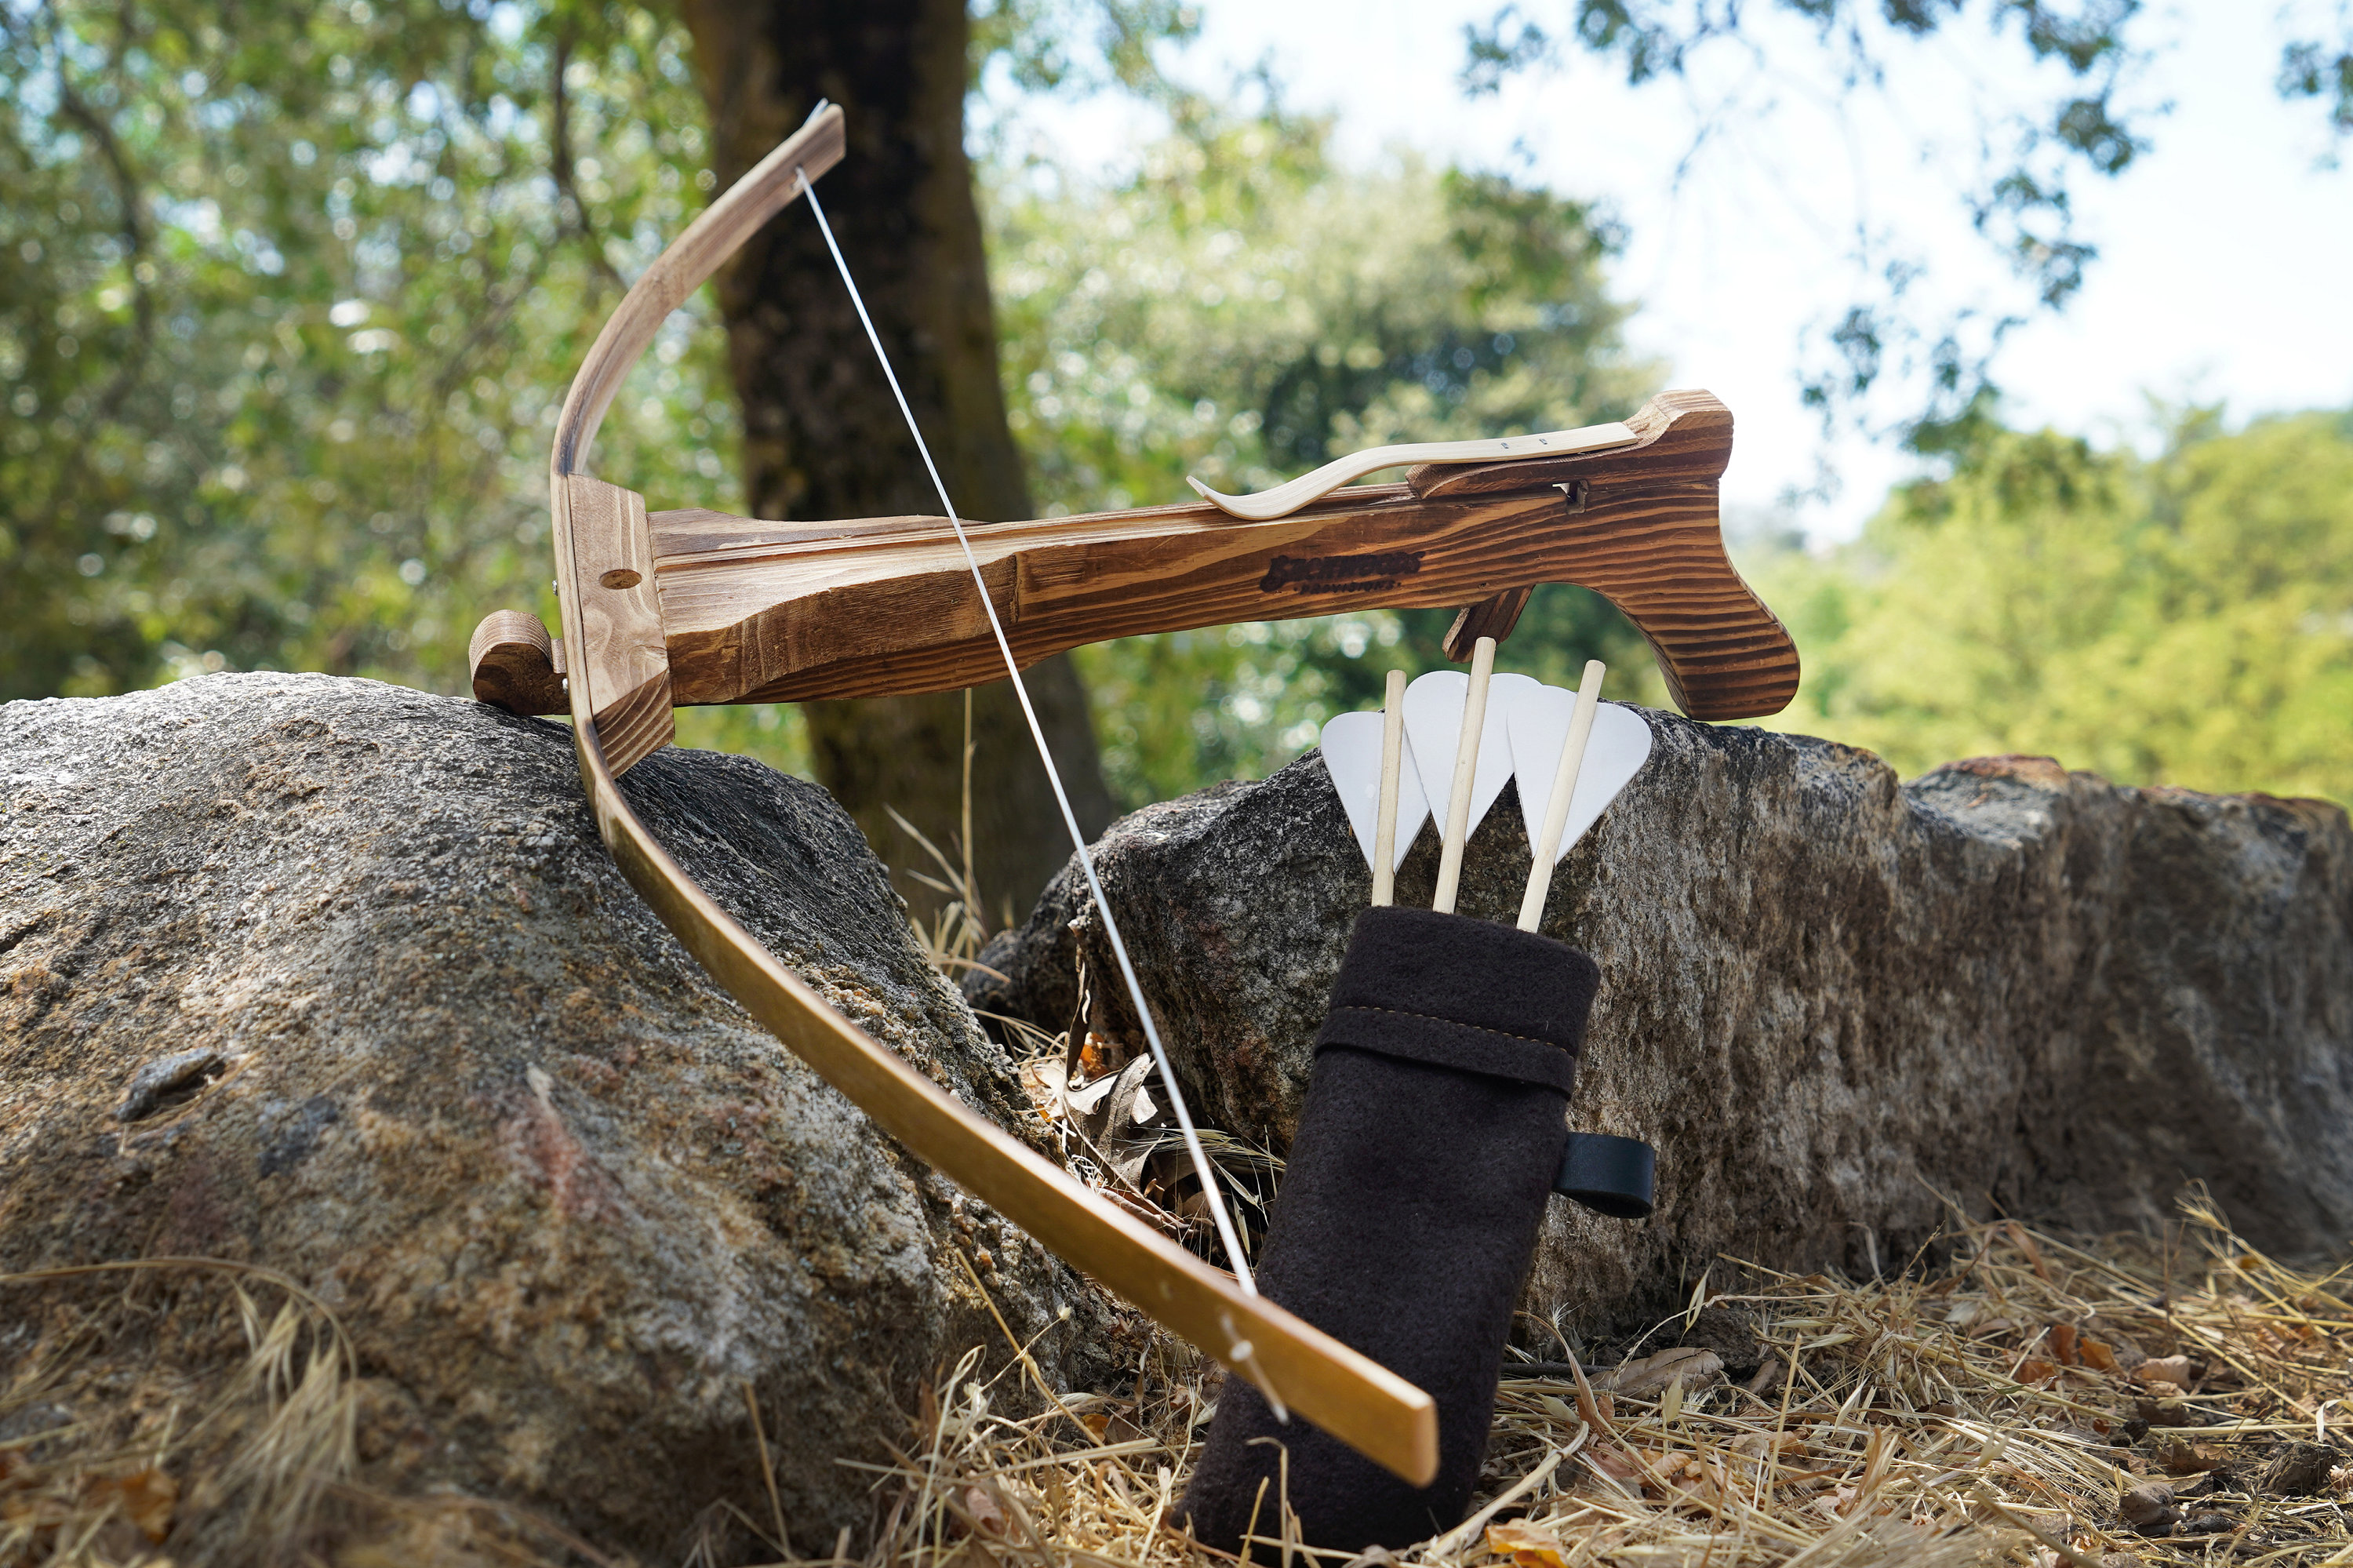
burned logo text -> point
(1338, 574)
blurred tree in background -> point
(2181, 619)
(2058, 92)
(286, 313)
(286, 317)
(1242, 308)
(825, 432)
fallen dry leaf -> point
(2190, 1459)
(2169, 1410)
(1756, 1445)
(2148, 1508)
(2098, 1356)
(1768, 1377)
(2301, 1470)
(988, 1518)
(1649, 1377)
(2025, 1244)
(146, 1497)
(1615, 1463)
(2174, 1370)
(1527, 1545)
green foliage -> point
(286, 314)
(2315, 69)
(2187, 620)
(287, 311)
(2068, 109)
(1079, 45)
(1243, 309)
(285, 317)
(2075, 118)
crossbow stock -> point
(670, 609)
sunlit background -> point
(285, 316)
(2222, 248)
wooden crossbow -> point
(667, 609)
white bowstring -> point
(1053, 775)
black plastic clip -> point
(1613, 1176)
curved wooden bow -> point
(690, 607)
(618, 689)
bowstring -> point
(1201, 1165)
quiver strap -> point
(1432, 1131)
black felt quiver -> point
(1408, 1211)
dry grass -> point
(2004, 1408)
(98, 1467)
(1999, 1411)
(2012, 1404)
(1994, 1409)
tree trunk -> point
(822, 438)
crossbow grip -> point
(515, 665)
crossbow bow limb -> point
(671, 608)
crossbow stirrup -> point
(662, 610)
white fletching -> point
(1433, 728)
(1352, 756)
(1536, 721)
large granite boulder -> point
(1830, 999)
(332, 983)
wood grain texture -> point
(1347, 1395)
(1683, 438)
(613, 622)
(1494, 616)
(772, 611)
(682, 269)
(621, 695)
(515, 665)
(621, 661)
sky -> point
(2225, 249)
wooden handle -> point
(758, 611)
